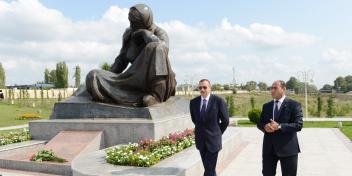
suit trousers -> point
(209, 160)
(288, 165)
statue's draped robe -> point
(150, 72)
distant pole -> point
(306, 76)
(233, 77)
(306, 92)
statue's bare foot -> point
(149, 100)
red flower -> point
(32, 157)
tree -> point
(226, 87)
(343, 84)
(105, 66)
(320, 105)
(252, 101)
(340, 84)
(230, 105)
(59, 97)
(348, 80)
(52, 77)
(311, 88)
(77, 76)
(61, 75)
(330, 112)
(2, 77)
(262, 86)
(46, 76)
(293, 84)
(298, 87)
(327, 87)
(251, 85)
(216, 87)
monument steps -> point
(66, 144)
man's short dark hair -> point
(204, 80)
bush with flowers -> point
(149, 152)
(14, 137)
(28, 117)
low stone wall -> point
(185, 163)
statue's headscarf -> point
(141, 17)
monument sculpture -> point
(128, 103)
(149, 79)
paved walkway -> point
(325, 151)
(9, 172)
(309, 119)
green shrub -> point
(319, 105)
(254, 115)
(252, 101)
(331, 111)
(46, 155)
(230, 105)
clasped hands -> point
(271, 127)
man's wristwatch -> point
(279, 127)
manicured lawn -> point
(346, 126)
(8, 114)
(347, 130)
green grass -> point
(346, 126)
(245, 123)
(8, 113)
(347, 131)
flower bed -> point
(14, 137)
(28, 117)
(149, 152)
(46, 155)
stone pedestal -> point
(119, 124)
(82, 108)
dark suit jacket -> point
(208, 131)
(283, 142)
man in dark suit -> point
(210, 117)
(280, 120)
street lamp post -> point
(306, 75)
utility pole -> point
(306, 76)
(233, 77)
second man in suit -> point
(210, 117)
(280, 121)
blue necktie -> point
(276, 111)
(202, 111)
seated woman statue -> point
(149, 79)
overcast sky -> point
(263, 40)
